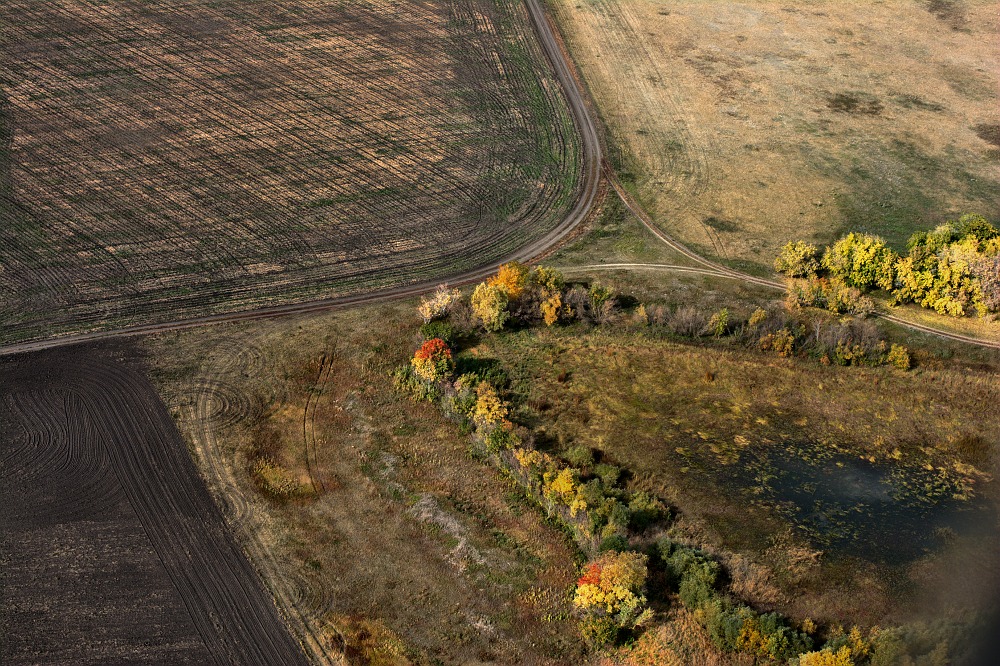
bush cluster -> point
(953, 269)
(538, 295)
(610, 596)
(732, 626)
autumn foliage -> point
(610, 595)
(512, 278)
(438, 304)
(433, 361)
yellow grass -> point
(723, 114)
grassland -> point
(381, 538)
(713, 430)
(166, 160)
(741, 125)
(842, 495)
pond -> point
(852, 507)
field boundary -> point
(590, 146)
(593, 167)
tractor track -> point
(590, 180)
(94, 465)
(593, 166)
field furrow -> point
(166, 160)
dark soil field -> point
(163, 160)
(111, 549)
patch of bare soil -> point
(111, 549)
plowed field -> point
(111, 549)
(164, 159)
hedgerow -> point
(953, 269)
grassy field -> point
(383, 541)
(742, 125)
(161, 160)
(784, 463)
(842, 495)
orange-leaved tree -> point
(512, 278)
(610, 594)
(433, 360)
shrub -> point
(615, 542)
(489, 303)
(687, 321)
(644, 510)
(550, 309)
(781, 342)
(757, 317)
(608, 474)
(899, 357)
(576, 304)
(579, 456)
(718, 324)
(500, 438)
(862, 261)
(690, 570)
(599, 295)
(439, 329)
(511, 279)
(797, 259)
(605, 312)
(987, 271)
(489, 409)
(438, 304)
(405, 379)
(841, 657)
(433, 361)
(548, 280)
(611, 586)
(599, 632)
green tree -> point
(797, 259)
(862, 260)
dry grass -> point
(409, 551)
(688, 421)
(679, 641)
(742, 125)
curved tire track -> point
(91, 421)
(218, 377)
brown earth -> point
(111, 549)
(187, 158)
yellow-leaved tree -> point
(489, 304)
(610, 595)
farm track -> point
(104, 514)
(589, 181)
(591, 158)
(187, 157)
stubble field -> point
(742, 125)
(162, 160)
